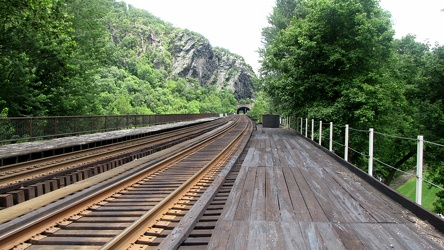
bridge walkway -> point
(291, 195)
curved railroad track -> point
(128, 204)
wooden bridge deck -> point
(291, 195)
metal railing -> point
(19, 129)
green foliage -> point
(337, 61)
(429, 196)
(36, 44)
(81, 57)
(261, 107)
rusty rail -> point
(18, 129)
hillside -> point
(106, 57)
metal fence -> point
(31, 128)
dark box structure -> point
(270, 121)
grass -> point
(408, 189)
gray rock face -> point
(193, 56)
(187, 54)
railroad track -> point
(27, 180)
(128, 208)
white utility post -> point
(331, 137)
(306, 126)
(419, 164)
(346, 143)
(370, 153)
(320, 132)
(312, 129)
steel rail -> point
(130, 235)
(18, 231)
(91, 155)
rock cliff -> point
(179, 52)
(193, 56)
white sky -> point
(236, 24)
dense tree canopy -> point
(80, 57)
(337, 60)
(36, 44)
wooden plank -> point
(312, 237)
(374, 236)
(316, 212)
(243, 210)
(330, 238)
(362, 203)
(264, 235)
(347, 235)
(293, 236)
(285, 205)
(338, 204)
(370, 200)
(249, 157)
(408, 238)
(260, 154)
(220, 236)
(271, 202)
(238, 236)
(258, 205)
(297, 200)
(274, 152)
(230, 208)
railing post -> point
(301, 125)
(30, 129)
(331, 137)
(312, 129)
(346, 143)
(419, 164)
(320, 132)
(370, 153)
(306, 126)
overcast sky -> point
(236, 24)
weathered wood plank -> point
(272, 212)
(235, 195)
(408, 238)
(297, 200)
(347, 236)
(339, 205)
(239, 235)
(316, 212)
(293, 236)
(219, 239)
(243, 210)
(374, 236)
(359, 206)
(285, 206)
(313, 238)
(330, 238)
(264, 235)
(258, 208)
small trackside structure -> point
(270, 121)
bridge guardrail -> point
(18, 129)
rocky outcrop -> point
(193, 56)
(183, 53)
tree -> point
(431, 108)
(35, 47)
(332, 63)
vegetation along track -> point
(27, 180)
(125, 209)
